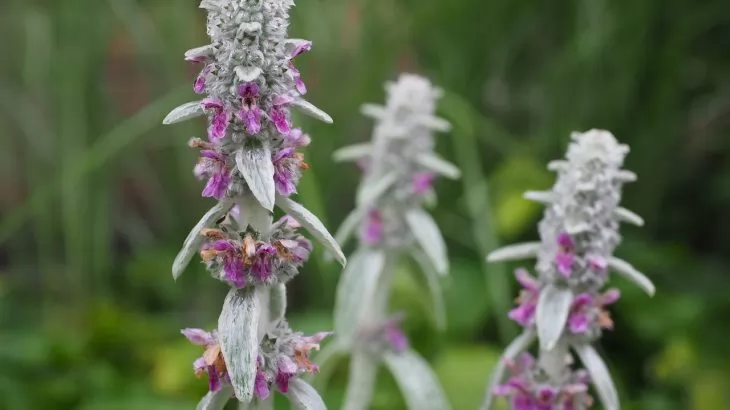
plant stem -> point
(363, 365)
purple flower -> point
(263, 262)
(287, 170)
(219, 121)
(524, 313)
(250, 112)
(212, 362)
(302, 348)
(278, 115)
(372, 230)
(297, 250)
(199, 336)
(526, 393)
(293, 71)
(422, 181)
(395, 337)
(598, 263)
(564, 258)
(286, 369)
(261, 385)
(199, 85)
(212, 165)
(296, 138)
(233, 266)
(585, 307)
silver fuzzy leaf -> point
(417, 382)
(257, 169)
(184, 112)
(352, 152)
(520, 251)
(277, 302)
(626, 270)
(374, 187)
(428, 236)
(553, 307)
(435, 163)
(303, 396)
(215, 400)
(308, 108)
(313, 225)
(600, 377)
(237, 335)
(192, 243)
(355, 291)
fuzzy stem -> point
(555, 362)
(363, 366)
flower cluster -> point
(242, 259)
(385, 335)
(564, 307)
(587, 314)
(212, 362)
(529, 388)
(250, 163)
(399, 165)
(283, 355)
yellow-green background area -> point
(96, 196)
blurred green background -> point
(96, 196)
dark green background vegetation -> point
(96, 196)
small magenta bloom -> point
(297, 250)
(526, 393)
(261, 385)
(585, 306)
(303, 346)
(598, 263)
(303, 47)
(287, 170)
(395, 336)
(212, 165)
(296, 138)
(565, 257)
(219, 121)
(524, 314)
(422, 182)
(228, 254)
(212, 362)
(199, 85)
(250, 112)
(372, 231)
(278, 115)
(263, 262)
(286, 369)
(233, 267)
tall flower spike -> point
(399, 169)
(250, 163)
(564, 308)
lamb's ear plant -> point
(390, 222)
(563, 309)
(249, 83)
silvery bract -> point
(390, 221)
(248, 84)
(564, 306)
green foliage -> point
(96, 196)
